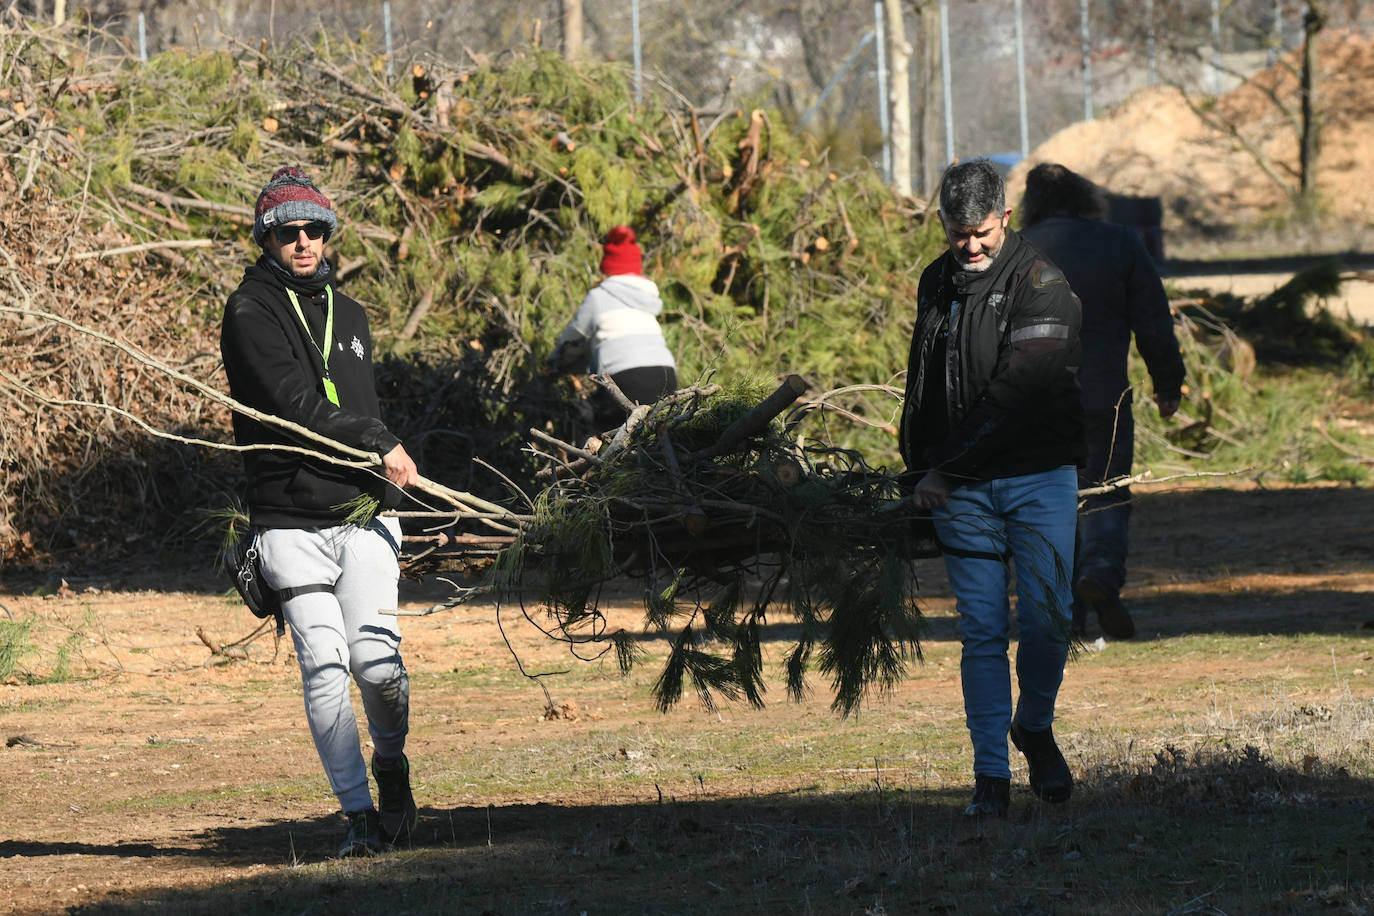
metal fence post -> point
(1216, 47)
(1276, 35)
(638, 52)
(1150, 41)
(880, 28)
(1087, 61)
(386, 30)
(1021, 79)
(945, 81)
(142, 37)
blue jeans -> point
(1029, 519)
(1104, 524)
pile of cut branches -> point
(473, 195)
(715, 507)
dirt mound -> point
(1227, 164)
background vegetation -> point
(474, 195)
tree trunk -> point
(811, 14)
(1312, 24)
(572, 29)
(899, 58)
(928, 80)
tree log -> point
(757, 419)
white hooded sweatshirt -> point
(618, 323)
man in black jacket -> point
(1112, 274)
(993, 427)
(296, 348)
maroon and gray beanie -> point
(290, 196)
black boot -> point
(1112, 615)
(991, 797)
(1050, 778)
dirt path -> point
(1252, 277)
(167, 771)
(1355, 300)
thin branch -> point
(466, 501)
(128, 249)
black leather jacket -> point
(1008, 381)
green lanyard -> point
(330, 391)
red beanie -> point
(622, 254)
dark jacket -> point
(1108, 267)
(991, 388)
(275, 367)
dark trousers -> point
(642, 385)
(1104, 520)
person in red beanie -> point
(615, 331)
(296, 348)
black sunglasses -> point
(285, 235)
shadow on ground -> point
(1251, 834)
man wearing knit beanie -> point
(296, 348)
(615, 331)
(289, 197)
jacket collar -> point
(971, 282)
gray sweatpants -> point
(340, 632)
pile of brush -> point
(708, 500)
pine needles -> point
(725, 519)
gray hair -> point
(970, 190)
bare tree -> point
(899, 57)
(1302, 116)
(1312, 24)
(929, 100)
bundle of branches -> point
(724, 517)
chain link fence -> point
(1016, 72)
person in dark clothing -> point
(992, 424)
(296, 348)
(1114, 277)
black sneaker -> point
(395, 804)
(1050, 778)
(364, 834)
(1112, 615)
(991, 797)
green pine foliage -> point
(1266, 380)
(725, 540)
(15, 643)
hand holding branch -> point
(932, 491)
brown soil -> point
(1201, 158)
(166, 770)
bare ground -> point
(157, 770)
(1252, 278)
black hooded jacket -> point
(275, 366)
(991, 389)
(1112, 274)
